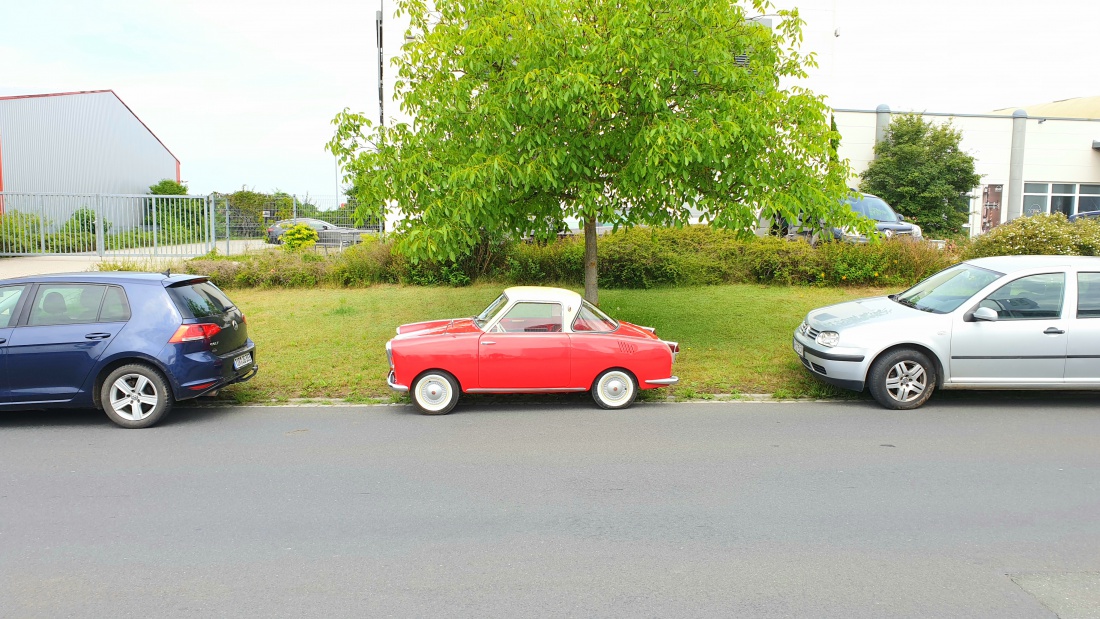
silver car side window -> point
(1088, 295)
(1035, 297)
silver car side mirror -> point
(986, 314)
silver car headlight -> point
(828, 339)
(917, 231)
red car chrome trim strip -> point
(507, 390)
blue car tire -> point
(135, 396)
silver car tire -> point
(135, 396)
(435, 392)
(902, 379)
(614, 389)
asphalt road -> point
(973, 507)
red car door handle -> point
(1054, 331)
(487, 343)
(97, 336)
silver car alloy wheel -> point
(906, 381)
(433, 392)
(615, 388)
(134, 397)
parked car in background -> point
(1084, 215)
(328, 235)
(888, 223)
(529, 340)
(1008, 322)
(131, 344)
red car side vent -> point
(627, 348)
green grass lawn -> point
(330, 343)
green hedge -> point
(638, 258)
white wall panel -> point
(79, 143)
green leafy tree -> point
(921, 171)
(528, 112)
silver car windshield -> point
(945, 291)
(487, 315)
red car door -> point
(525, 350)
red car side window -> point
(533, 318)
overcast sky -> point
(243, 91)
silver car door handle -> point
(1054, 331)
(2, 340)
(97, 336)
(487, 343)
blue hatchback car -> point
(131, 344)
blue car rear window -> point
(200, 300)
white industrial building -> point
(79, 143)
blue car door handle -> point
(97, 336)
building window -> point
(1065, 198)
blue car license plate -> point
(241, 361)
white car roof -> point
(569, 300)
(543, 294)
(1011, 264)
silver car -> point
(1009, 322)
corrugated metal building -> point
(79, 143)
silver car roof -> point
(1012, 264)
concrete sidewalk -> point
(36, 265)
(20, 266)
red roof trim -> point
(95, 92)
(2, 176)
(55, 94)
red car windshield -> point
(488, 313)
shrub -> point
(20, 233)
(560, 262)
(369, 262)
(299, 237)
(894, 262)
(689, 256)
(77, 234)
(1039, 234)
(772, 259)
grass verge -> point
(330, 342)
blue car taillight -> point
(195, 333)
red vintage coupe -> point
(530, 340)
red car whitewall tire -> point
(435, 392)
(614, 389)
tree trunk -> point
(591, 293)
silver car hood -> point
(861, 312)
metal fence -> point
(146, 226)
(105, 225)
